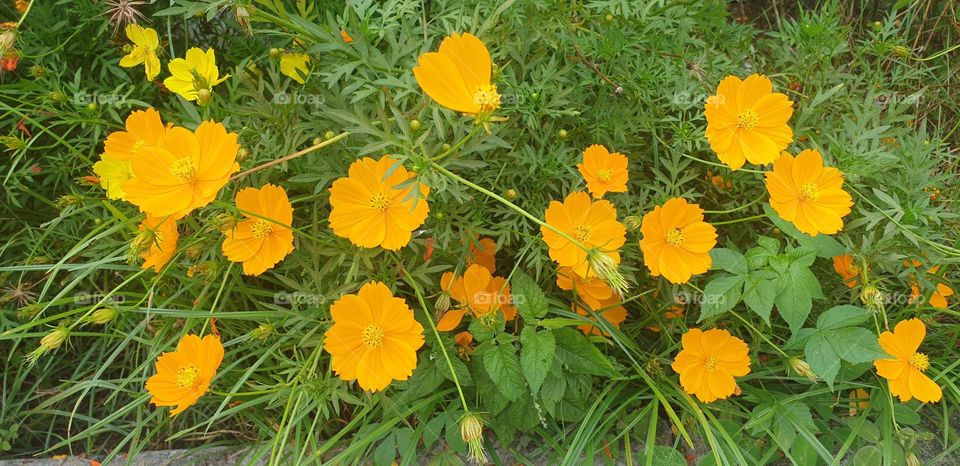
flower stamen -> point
(372, 336)
(674, 237)
(747, 119)
(184, 169)
(581, 233)
(605, 174)
(379, 201)
(809, 192)
(920, 361)
(261, 228)
(187, 376)
(487, 98)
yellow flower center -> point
(184, 169)
(372, 336)
(747, 119)
(710, 363)
(674, 237)
(261, 228)
(140, 144)
(604, 174)
(809, 192)
(379, 201)
(581, 233)
(487, 98)
(187, 376)
(920, 361)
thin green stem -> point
(436, 333)
(720, 165)
(25, 13)
(457, 146)
(738, 220)
(736, 209)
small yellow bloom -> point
(709, 363)
(905, 370)
(294, 65)
(807, 194)
(144, 128)
(144, 51)
(193, 74)
(184, 375)
(458, 75)
(604, 172)
(264, 238)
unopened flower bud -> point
(329, 135)
(803, 368)
(103, 316)
(415, 125)
(872, 298)
(243, 154)
(203, 97)
(49, 342)
(262, 331)
(7, 40)
(443, 302)
(608, 270)
(912, 460)
(471, 430)
(632, 222)
(510, 194)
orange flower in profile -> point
(144, 128)
(676, 241)
(184, 172)
(905, 371)
(157, 241)
(458, 75)
(807, 194)
(264, 238)
(483, 252)
(184, 375)
(747, 121)
(593, 223)
(479, 293)
(374, 338)
(709, 363)
(849, 271)
(939, 296)
(346, 37)
(592, 288)
(604, 172)
(371, 209)
(610, 309)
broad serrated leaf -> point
(580, 355)
(759, 292)
(822, 357)
(855, 344)
(503, 366)
(528, 297)
(728, 260)
(537, 349)
(720, 295)
(842, 316)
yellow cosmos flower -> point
(905, 371)
(144, 128)
(604, 172)
(158, 238)
(807, 194)
(610, 309)
(593, 223)
(458, 75)
(374, 338)
(184, 375)
(747, 121)
(184, 172)
(676, 241)
(264, 238)
(194, 77)
(144, 51)
(709, 363)
(371, 209)
(294, 65)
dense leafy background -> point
(875, 86)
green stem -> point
(292, 156)
(762, 336)
(456, 146)
(738, 220)
(509, 204)
(736, 209)
(436, 333)
(25, 13)
(216, 299)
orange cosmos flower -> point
(371, 210)
(610, 309)
(479, 292)
(593, 223)
(939, 296)
(374, 338)
(709, 362)
(158, 241)
(483, 252)
(746, 120)
(604, 172)
(905, 371)
(458, 76)
(184, 375)
(847, 269)
(676, 241)
(144, 128)
(346, 37)
(807, 194)
(592, 288)
(184, 172)
(264, 238)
